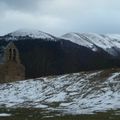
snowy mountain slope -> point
(35, 34)
(109, 42)
(77, 93)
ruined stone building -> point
(11, 68)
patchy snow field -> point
(4, 115)
(78, 93)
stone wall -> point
(2, 73)
(11, 70)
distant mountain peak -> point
(31, 33)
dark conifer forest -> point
(43, 57)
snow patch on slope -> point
(76, 93)
(76, 38)
(4, 115)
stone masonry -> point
(11, 69)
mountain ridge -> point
(110, 43)
(43, 56)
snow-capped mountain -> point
(77, 93)
(57, 56)
(25, 33)
(109, 42)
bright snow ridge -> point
(33, 33)
(78, 93)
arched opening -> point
(10, 54)
(14, 54)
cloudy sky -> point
(60, 16)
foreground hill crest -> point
(77, 93)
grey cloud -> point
(23, 5)
(61, 16)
